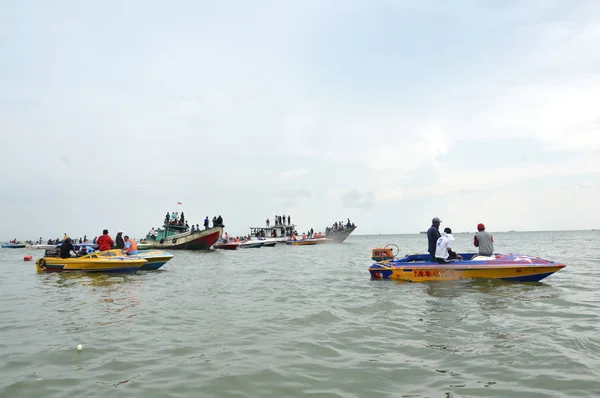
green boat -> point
(177, 237)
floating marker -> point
(79, 347)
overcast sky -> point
(387, 112)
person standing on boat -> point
(120, 244)
(267, 223)
(130, 246)
(105, 242)
(206, 223)
(433, 234)
(484, 241)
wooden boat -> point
(506, 267)
(338, 236)
(154, 258)
(13, 245)
(301, 242)
(177, 237)
(89, 263)
(226, 245)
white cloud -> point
(292, 174)
(586, 184)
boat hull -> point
(199, 240)
(40, 247)
(226, 246)
(78, 264)
(339, 236)
(514, 268)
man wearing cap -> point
(433, 234)
(484, 241)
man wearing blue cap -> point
(433, 234)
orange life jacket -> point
(133, 246)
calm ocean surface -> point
(304, 321)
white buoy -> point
(79, 347)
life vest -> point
(133, 246)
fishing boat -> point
(278, 233)
(338, 235)
(177, 237)
(506, 267)
(226, 245)
(301, 242)
(154, 258)
(89, 263)
(13, 245)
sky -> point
(385, 112)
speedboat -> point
(301, 242)
(226, 245)
(13, 245)
(154, 258)
(89, 263)
(506, 267)
(268, 242)
(251, 244)
(40, 247)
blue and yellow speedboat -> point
(507, 267)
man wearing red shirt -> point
(105, 242)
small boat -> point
(13, 245)
(40, 247)
(251, 244)
(144, 246)
(506, 267)
(301, 242)
(268, 242)
(154, 258)
(226, 245)
(89, 263)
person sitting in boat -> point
(130, 246)
(83, 251)
(105, 242)
(443, 251)
(484, 241)
(119, 243)
(193, 228)
(67, 248)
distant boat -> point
(511, 230)
(423, 232)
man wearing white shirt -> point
(443, 248)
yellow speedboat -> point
(89, 263)
(154, 258)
